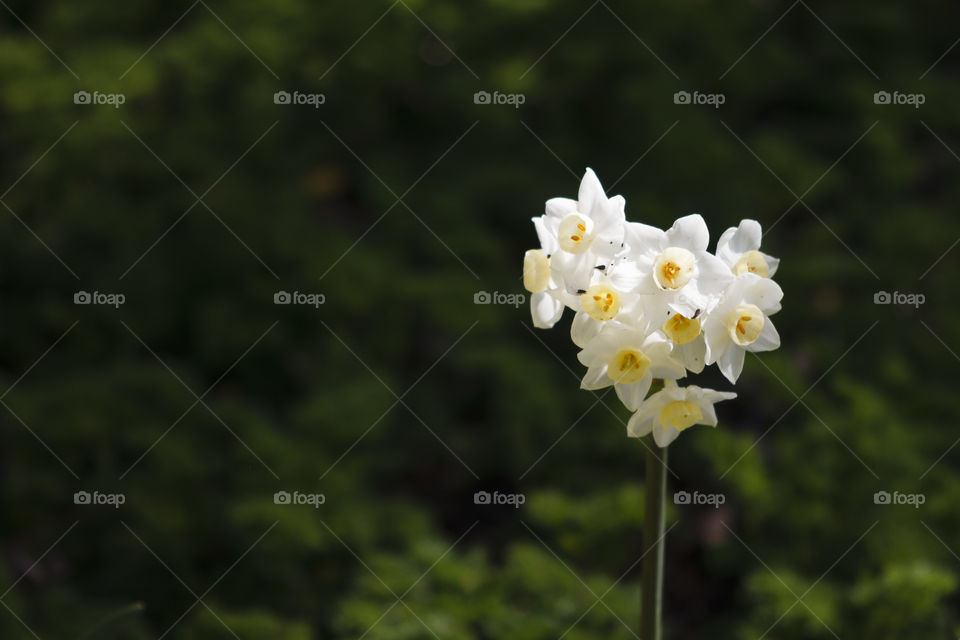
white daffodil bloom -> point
(739, 249)
(673, 409)
(741, 322)
(582, 234)
(629, 359)
(679, 276)
(606, 299)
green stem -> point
(653, 524)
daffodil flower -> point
(679, 276)
(674, 409)
(741, 322)
(629, 359)
(739, 249)
(606, 299)
(583, 234)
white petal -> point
(731, 363)
(632, 395)
(689, 232)
(644, 239)
(768, 340)
(583, 329)
(747, 237)
(692, 354)
(601, 347)
(716, 339)
(724, 252)
(765, 293)
(713, 275)
(663, 437)
(647, 286)
(640, 424)
(591, 192)
(596, 378)
(772, 264)
(663, 364)
(548, 239)
(713, 396)
(709, 414)
(706, 403)
(626, 276)
(560, 208)
(611, 224)
(576, 269)
(687, 302)
(545, 309)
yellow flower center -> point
(752, 262)
(536, 270)
(673, 268)
(601, 303)
(680, 329)
(575, 233)
(629, 365)
(745, 324)
(680, 415)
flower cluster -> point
(652, 304)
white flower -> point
(673, 409)
(582, 234)
(739, 249)
(678, 275)
(629, 359)
(605, 300)
(740, 322)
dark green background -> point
(860, 398)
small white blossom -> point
(582, 234)
(741, 322)
(674, 409)
(739, 249)
(625, 357)
(678, 275)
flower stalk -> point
(654, 519)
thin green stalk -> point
(654, 519)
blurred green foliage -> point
(860, 399)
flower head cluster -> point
(652, 304)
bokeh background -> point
(399, 199)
